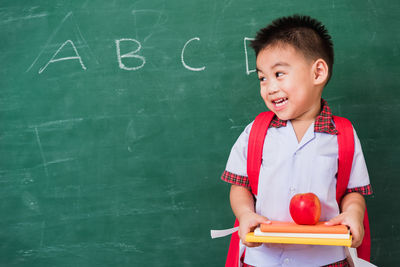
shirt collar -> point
(323, 122)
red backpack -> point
(254, 158)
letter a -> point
(129, 55)
(52, 60)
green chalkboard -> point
(117, 118)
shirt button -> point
(286, 261)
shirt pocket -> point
(271, 156)
(323, 178)
(328, 163)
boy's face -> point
(287, 81)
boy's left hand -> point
(353, 207)
(356, 227)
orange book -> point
(291, 227)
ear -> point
(320, 71)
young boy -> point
(300, 153)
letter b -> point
(132, 54)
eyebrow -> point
(278, 64)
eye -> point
(262, 79)
(278, 74)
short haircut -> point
(307, 35)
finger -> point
(248, 244)
(356, 242)
(251, 244)
(334, 221)
(358, 236)
(256, 223)
(261, 220)
(242, 235)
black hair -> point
(307, 35)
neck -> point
(310, 115)
(302, 123)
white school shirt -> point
(289, 168)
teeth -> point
(281, 102)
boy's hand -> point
(352, 221)
(247, 223)
(242, 203)
(353, 207)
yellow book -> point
(330, 241)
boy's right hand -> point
(247, 223)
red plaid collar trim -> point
(323, 122)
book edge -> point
(295, 228)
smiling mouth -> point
(280, 102)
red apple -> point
(305, 208)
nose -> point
(272, 89)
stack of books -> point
(292, 233)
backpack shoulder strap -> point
(346, 153)
(255, 147)
(234, 253)
(254, 157)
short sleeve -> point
(236, 167)
(359, 178)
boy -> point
(294, 63)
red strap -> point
(364, 251)
(254, 157)
(232, 260)
(345, 139)
(346, 154)
(255, 147)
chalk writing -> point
(248, 72)
(132, 54)
(52, 60)
(182, 57)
